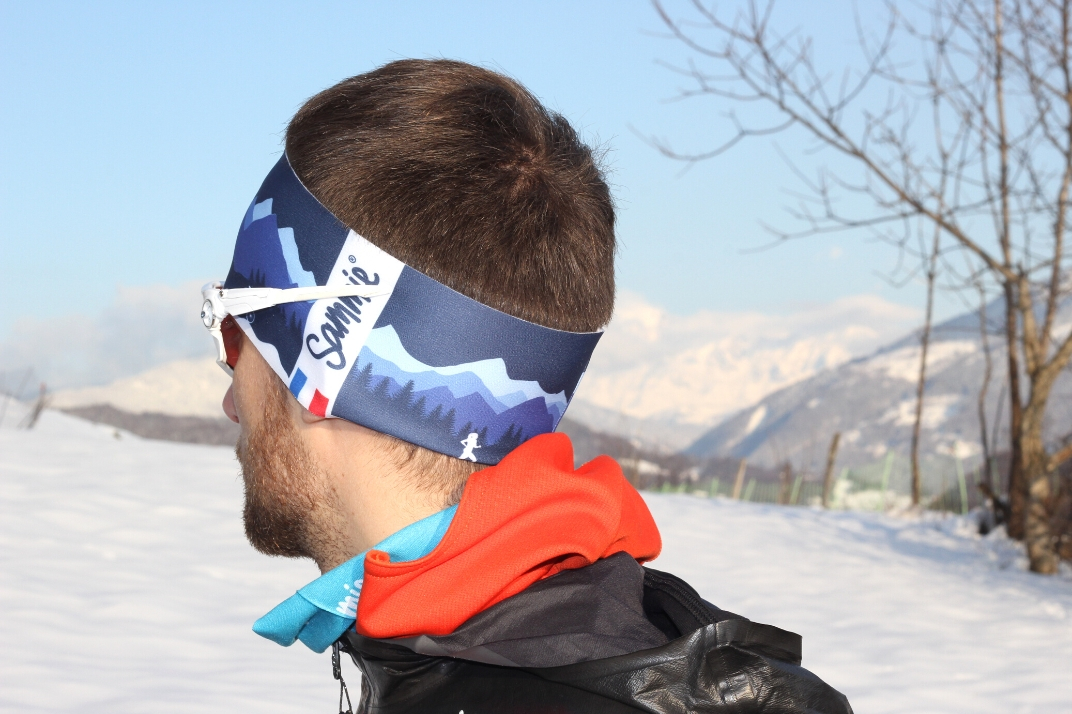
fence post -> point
(749, 489)
(713, 487)
(785, 480)
(739, 482)
(828, 476)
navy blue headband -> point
(421, 362)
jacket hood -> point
(529, 517)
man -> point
(415, 293)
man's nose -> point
(228, 405)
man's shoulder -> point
(604, 638)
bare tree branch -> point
(996, 76)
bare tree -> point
(991, 170)
(988, 369)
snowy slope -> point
(126, 585)
(900, 615)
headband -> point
(420, 362)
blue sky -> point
(135, 134)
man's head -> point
(463, 175)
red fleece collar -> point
(525, 519)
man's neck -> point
(374, 496)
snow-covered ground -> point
(901, 615)
(126, 585)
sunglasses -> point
(222, 305)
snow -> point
(643, 467)
(902, 615)
(756, 419)
(695, 369)
(958, 448)
(937, 408)
(126, 585)
(903, 363)
(183, 388)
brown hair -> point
(462, 174)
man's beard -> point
(291, 509)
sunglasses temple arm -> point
(221, 349)
(240, 301)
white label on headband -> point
(337, 328)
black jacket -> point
(610, 638)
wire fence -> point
(947, 484)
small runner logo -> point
(470, 443)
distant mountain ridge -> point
(871, 402)
(664, 379)
(657, 379)
(180, 388)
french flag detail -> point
(297, 382)
(318, 404)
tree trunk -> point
(1017, 482)
(786, 484)
(1037, 532)
(988, 367)
(828, 475)
(738, 482)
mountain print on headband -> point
(452, 401)
(267, 256)
(437, 367)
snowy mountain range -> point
(189, 387)
(664, 379)
(656, 378)
(724, 385)
(871, 402)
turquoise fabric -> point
(323, 610)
